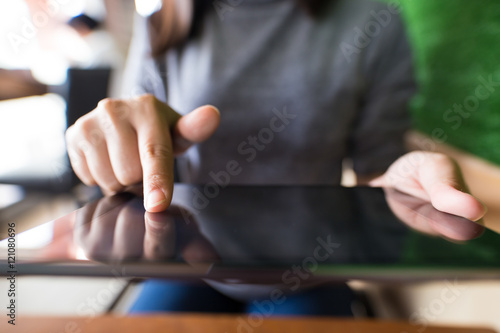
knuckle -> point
(69, 134)
(106, 103)
(83, 126)
(110, 113)
(82, 134)
(442, 159)
(85, 146)
(146, 98)
(157, 180)
(96, 137)
(157, 151)
(111, 107)
(128, 177)
(147, 106)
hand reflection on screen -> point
(118, 229)
(176, 226)
(242, 225)
(422, 216)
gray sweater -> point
(297, 95)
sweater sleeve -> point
(142, 72)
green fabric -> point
(455, 43)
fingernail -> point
(155, 199)
(215, 108)
(485, 208)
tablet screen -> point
(258, 231)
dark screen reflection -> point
(268, 226)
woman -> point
(300, 86)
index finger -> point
(157, 160)
(152, 124)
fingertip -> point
(213, 108)
(195, 127)
(156, 201)
(207, 109)
(200, 124)
(208, 115)
(449, 199)
(481, 211)
(216, 114)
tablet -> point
(264, 234)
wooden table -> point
(216, 324)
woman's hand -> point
(125, 142)
(433, 177)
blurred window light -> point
(32, 134)
(49, 67)
(80, 254)
(94, 8)
(146, 8)
(20, 34)
(10, 194)
(11, 15)
(32, 239)
(72, 8)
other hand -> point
(436, 178)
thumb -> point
(442, 179)
(447, 197)
(197, 126)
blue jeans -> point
(175, 296)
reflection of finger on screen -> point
(160, 237)
(129, 231)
